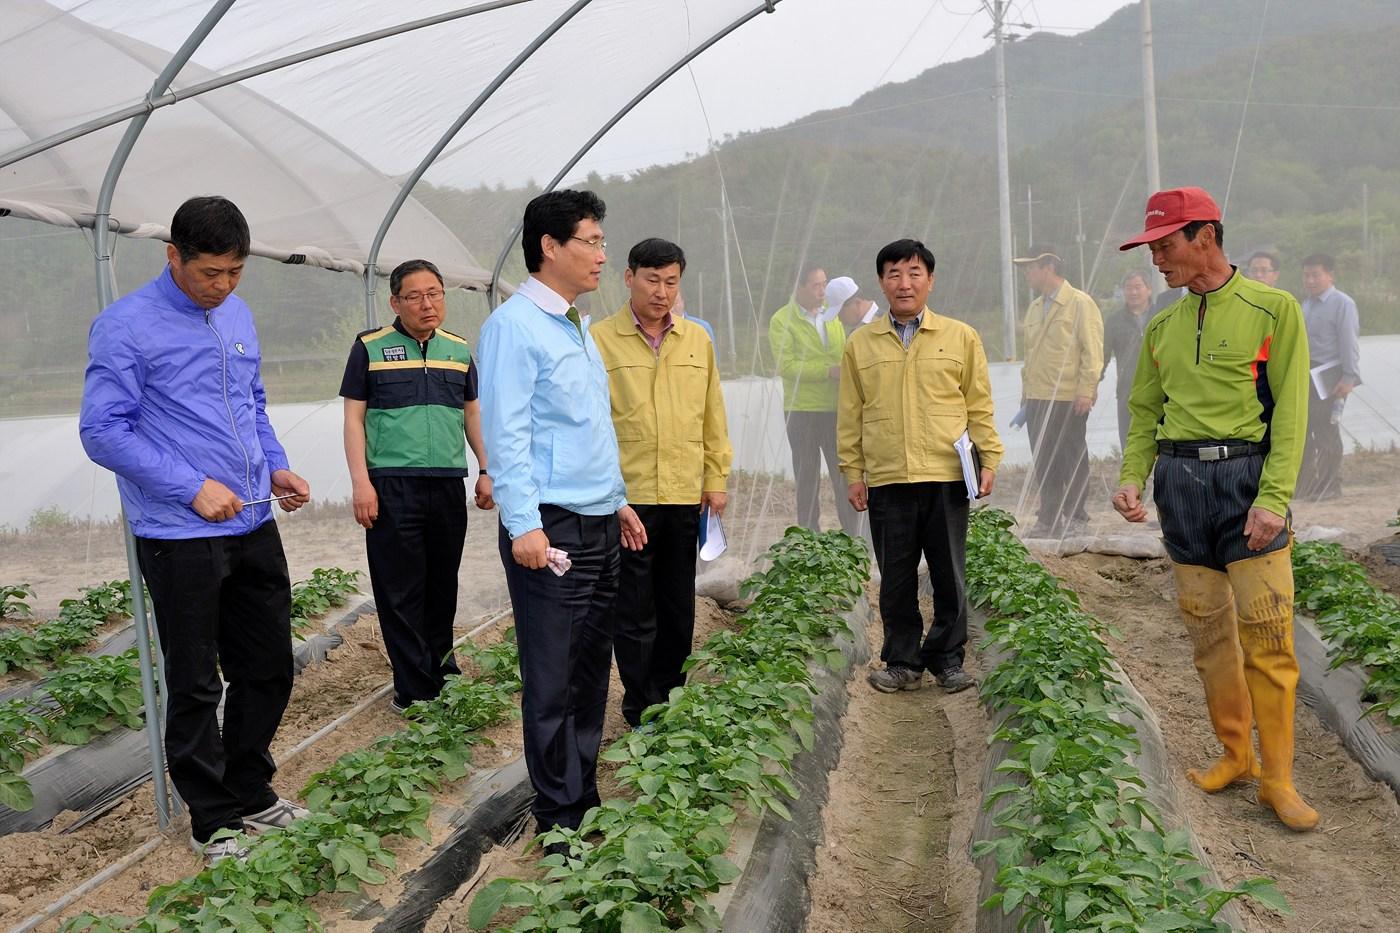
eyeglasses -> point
(597, 244)
(413, 298)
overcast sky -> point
(812, 55)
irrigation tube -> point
(131, 858)
(441, 144)
(96, 881)
(766, 7)
(375, 697)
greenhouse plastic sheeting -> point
(314, 153)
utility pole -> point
(1030, 219)
(728, 284)
(1365, 220)
(1079, 239)
(1149, 114)
(997, 9)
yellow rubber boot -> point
(1208, 608)
(1264, 589)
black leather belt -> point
(1210, 450)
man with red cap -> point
(1220, 403)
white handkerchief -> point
(558, 561)
(712, 543)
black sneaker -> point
(954, 680)
(894, 678)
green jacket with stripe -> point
(1231, 364)
(414, 397)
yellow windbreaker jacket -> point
(901, 410)
(668, 411)
(1064, 347)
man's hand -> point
(834, 373)
(1261, 528)
(529, 549)
(1127, 501)
(215, 502)
(716, 501)
(365, 501)
(634, 533)
(1343, 389)
(287, 483)
(984, 488)
(1082, 404)
(858, 495)
(484, 501)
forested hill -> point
(1056, 81)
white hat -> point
(838, 291)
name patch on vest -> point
(395, 354)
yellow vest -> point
(901, 410)
(668, 411)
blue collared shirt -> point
(1334, 331)
(545, 412)
(907, 331)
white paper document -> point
(712, 543)
(1322, 381)
(971, 463)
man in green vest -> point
(807, 346)
(410, 410)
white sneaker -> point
(220, 849)
(278, 816)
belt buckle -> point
(1218, 452)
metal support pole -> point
(1008, 307)
(766, 7)
(441, 144)
(102, 236)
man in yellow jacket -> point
(1059, 385)
(807, 347)
(673, 441)
(911, 383)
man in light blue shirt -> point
(547, 421)
(1334, 347)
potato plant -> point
(77, 624)
(364, 797)
(727, 736)
(12, 600)
(1360, 622)
(327, 588)
(1082, 848)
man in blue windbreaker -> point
(173, 404)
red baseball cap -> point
(1169, 211)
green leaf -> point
(15, 792)
(486, 904)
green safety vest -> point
(413, 417)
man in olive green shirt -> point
(1220, 402)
